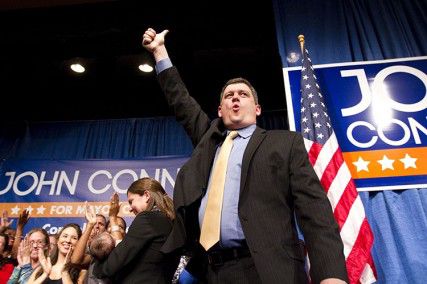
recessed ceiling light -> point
(78, 68)
(145, 68)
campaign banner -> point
(378, 110)
(54, 191)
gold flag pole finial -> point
(301, 42)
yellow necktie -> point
(210, 231)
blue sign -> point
(378, 111)
(54, 191)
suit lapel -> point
(254, 142)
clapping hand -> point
(24, 252)
(90, 214)
(114, 206)
(45, 262)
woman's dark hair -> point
(6, 241)
(159, 197)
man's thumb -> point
(164, 33)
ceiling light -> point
(78, 68)
(145, 68)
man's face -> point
(238, 108)
(99, 226)
(37, 242)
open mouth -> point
(236, 107)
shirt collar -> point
(246, 131)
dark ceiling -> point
(210, 42)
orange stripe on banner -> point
(387, 163)
(61, 209)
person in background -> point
(6, 263)
(55, 269)
(268, 181)
(138, 257)
(84, 253)
(99, 227)
(28, 255)
(53, 239)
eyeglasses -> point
(39, 243)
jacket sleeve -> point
(141, 232)
(187, 111)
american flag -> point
(325, 155)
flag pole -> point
(301, 42)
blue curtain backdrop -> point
(360, 30)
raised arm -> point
(112, 214)
(5, 222)
(187, 110)
(22, 221)
(79, 255)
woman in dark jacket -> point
(137, 258)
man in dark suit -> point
(268, 180)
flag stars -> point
(317, 125)
(409, 162)
(320, 136)
(386, 163)
(313, 105)
(310, 95)
(315, 114)
(305, 77)
(361, 165)
(308, 86)
(304, 119)
(328, 124)
(302, 109)
(306, 130)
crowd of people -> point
(233, 216)
(106, 252)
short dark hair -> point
(237, 81)
(101, 246)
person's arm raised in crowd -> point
(5, 222)
(112, 214)
(79, 255)
(155, 43)
(22, 221)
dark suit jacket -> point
(137, 258)
(276, 181)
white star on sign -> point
(409, 162)
(41, 210)
(361, 165)
(386, 163)
(15, 210)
